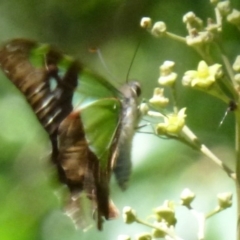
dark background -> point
(29, 208)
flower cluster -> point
(163, 220)
(215, 74)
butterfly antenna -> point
(103, 62)
(133, 58)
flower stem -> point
(215, 211)
(194, 141)
(166, 230)
(237, 114)
(175, 37)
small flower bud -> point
(146, 22)
(129, 215)
(159, 29)
(166, 213)
(144, 108)
(143, 236)
(224, 200)
(158, 99)
(167, 67)
(224, 7)
(167, 76)
(189, 17)
(186, 80)
(214, 1)
(234, 17)
(237, 78)
(168, 80)
(157, 233)
(236, 64)
(124, 237)
(192, 21)
(187, 196)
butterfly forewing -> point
(30, 68)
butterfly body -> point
(90, 123)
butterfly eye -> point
(136, 87)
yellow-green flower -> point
(173, 123)
(204, 77)
(158, 99)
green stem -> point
(213, 212)
(204, 55)
(228, 66)
(237, 114)
(174, 96)
(166, 230)
(201, 224)
(175, 37)
(218, 18)
(201, 221)
(191, 138)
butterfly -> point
(90, 123)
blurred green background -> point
(29, 207)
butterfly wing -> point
(96, 123)
(33, 68)
(85, 141)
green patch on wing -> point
(101, 120)
(100, 107)
(38, 54)
(92, 87)
(64, 64)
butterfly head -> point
(131, 89)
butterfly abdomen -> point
(130, 119)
